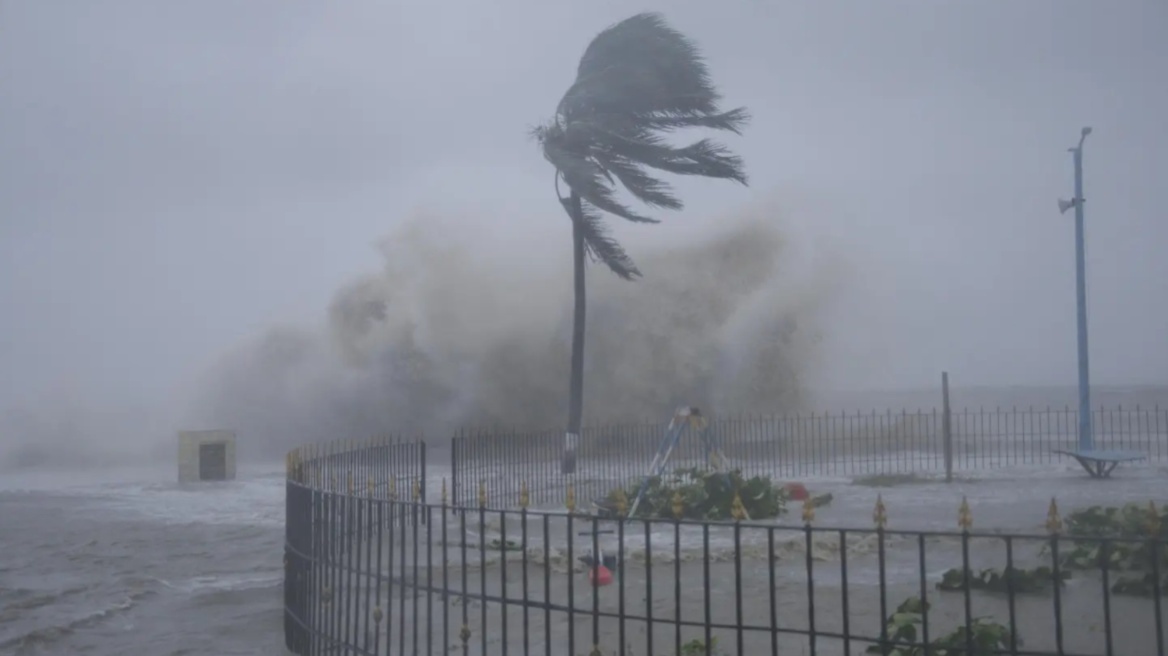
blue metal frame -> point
(682, 420)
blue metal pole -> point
(1086, 439)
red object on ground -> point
(797, 491)
(600, 575)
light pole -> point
(1086, 439)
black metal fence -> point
(323, 484)
(373, 567)
(840, 444)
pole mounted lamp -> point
(1086, 439)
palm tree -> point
(638, 81)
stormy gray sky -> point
(177, 177)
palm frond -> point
(704, 157)
(585, 175)
(637, 81)
(648, 189)
(599, 245)
(641, 65)
(733, 121)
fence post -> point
(454, 470)
(946, 427)
(420, 517)
(423, 447)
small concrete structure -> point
(207, 455)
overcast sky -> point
(176, 177)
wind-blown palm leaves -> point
(637, 82)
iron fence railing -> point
(826, 444)
(377, 568)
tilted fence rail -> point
(381, 561)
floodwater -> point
(130, 562)
(125, 562)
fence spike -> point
(879, 514)
(808, 511)
(482, 493)
(524, 496)
(621, 501)
(417, 491)
(444, 490)
(678, 505)
(1153, 519)
(737, 510)
(1054, 523)
(964, 515)
(570, 498)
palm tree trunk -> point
(576, 380)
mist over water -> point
(443, 336)
(67, 431)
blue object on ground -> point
(1100, 464)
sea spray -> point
(443, 337)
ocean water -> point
(127, 561)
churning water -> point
(127, 562)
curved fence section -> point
(338, 496)
(376, 565)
